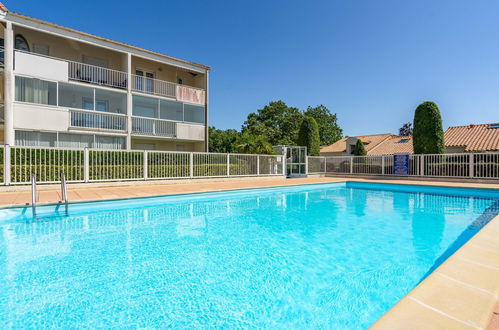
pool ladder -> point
(64, 192)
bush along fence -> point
(463, 165)
(94, 165)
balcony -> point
(167, 128)
(97, 120)
(53, 68)
(154, 127)
(96, 75)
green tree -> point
(428, 133)
(308, 136)
(329, 130)
(251, 144)
(359, 149)
(276, 122)
(220, 140)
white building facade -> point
(64, 88)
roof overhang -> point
(42, 26)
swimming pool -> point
(328, 255)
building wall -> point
(69, 49)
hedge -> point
(21, 173)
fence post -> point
(306, 165)
(6, 165)
(421, 164)
(258, 165)
(284, 161)
(191, 165)
(351, 165)
(228, 165)
(472, 165)
(86, 167)
(382, 165)
(145, 164)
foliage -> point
(276, 122)
(308, 136)
(329, 130)
(428, 133)
(406, 130)
(220, 140)
(251, 144)
(359, 149)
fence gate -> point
(295, 158)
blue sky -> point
(370, 61)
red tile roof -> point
(473, 137)
(370, 142)
(393, 145)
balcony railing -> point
(154, 127)
(99, 120)
(97, 75)
(154, 86)
(82, 72)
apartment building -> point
(65, 88)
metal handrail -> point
(64, 191)
(33, 193)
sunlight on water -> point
(319, 256)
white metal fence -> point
(93, 165)
(463, 165)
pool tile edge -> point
(454, 300)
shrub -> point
(359, 149)
(428, 133)
(308, 136)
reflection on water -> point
(309, 258)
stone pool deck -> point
(462, 293)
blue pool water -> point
(316, 256)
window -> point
(144, 84)
(108, 101)
(75, 140)
(171, 110)
(21, 43)
(76, 96)
(193, 113)
(41, 49)
(35, 139)
(404, 140)
(88, 104)
(493, 126)
(102, 105)
(109, 142)
(36, 91)
(145, 106)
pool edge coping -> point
(448, 297)
(417, 312)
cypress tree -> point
(428, 132)
(308, 136)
